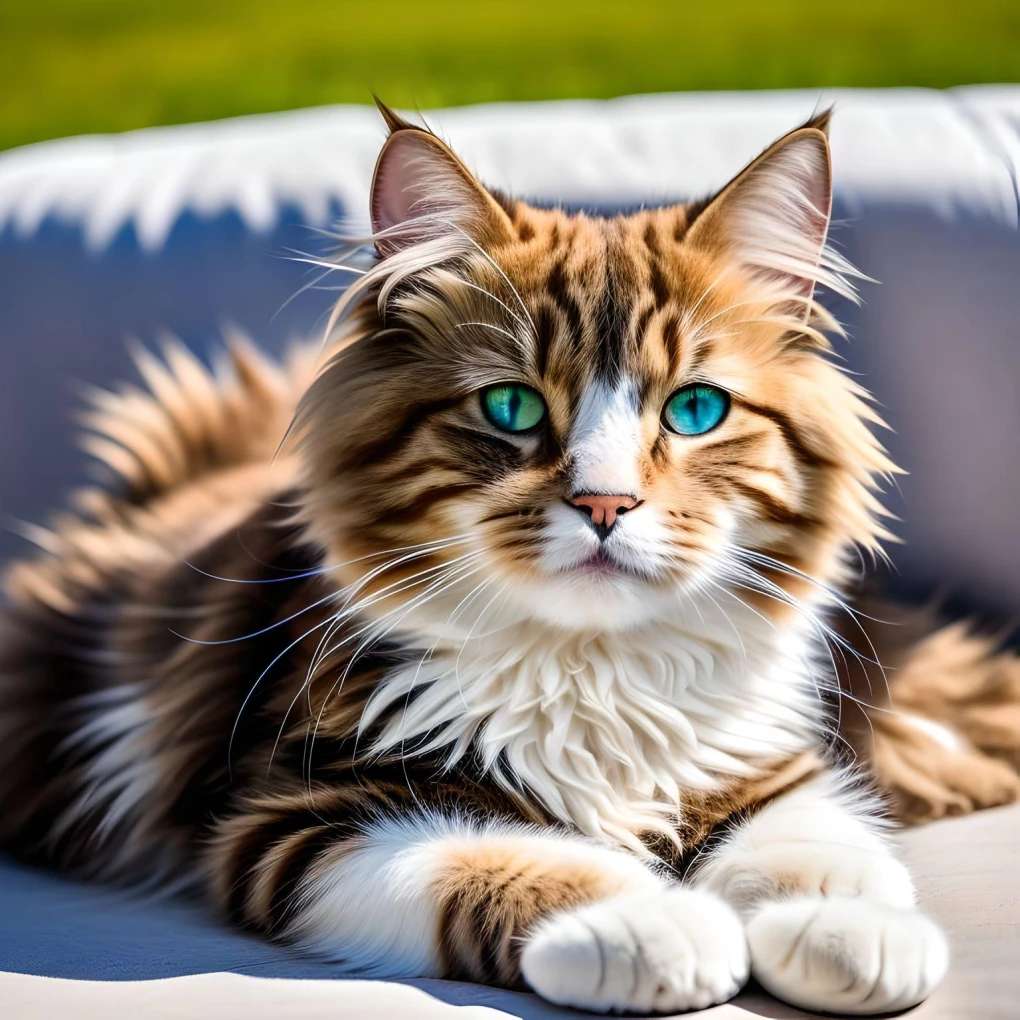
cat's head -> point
(594, 422)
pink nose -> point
(603, 510)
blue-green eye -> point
(696, 409)
(513, 407)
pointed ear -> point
(421, 190)
(773, 217)
(394, 122)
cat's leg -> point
(581, 923)
(829, 911)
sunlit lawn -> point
(72, 66)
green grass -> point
(73, 66)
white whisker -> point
(434, 589)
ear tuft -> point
(394, 122)
(820, 121)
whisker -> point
(489, 325)
(330, 267)
(688, 315)
(478, 589)
(327, 598)
(311, 285)
(820, 688)
(427, 656)
(297, 576)
(771, 561)
(255, 633)
(254, 687)
(495, 265)
(855, 615)
(826, 635)
(321, 654)
(453, 277)
(439, 586)
(772, 590)
(334, 623)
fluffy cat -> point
(510, 663)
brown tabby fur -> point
(237, 793)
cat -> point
(491, 644)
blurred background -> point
(72, 67)
(188, 230)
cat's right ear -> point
(422, 191)
(773, 217)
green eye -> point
(696, 409)
(513, 407)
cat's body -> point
(415, 692)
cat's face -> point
(591, 422)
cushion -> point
(73, 949)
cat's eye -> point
(696, 409)
(513, 407)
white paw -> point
(846, 955)
(778, 870)
(670, 950)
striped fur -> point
(339, 652)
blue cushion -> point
(56, 927)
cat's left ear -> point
(422, 191)
(773, 216)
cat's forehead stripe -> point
(597, 281)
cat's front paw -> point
(846, 955)
(778, 870)
(667, 951)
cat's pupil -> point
(692, 404)
(514, 406)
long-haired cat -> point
(511, 663)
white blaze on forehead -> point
(605, 441)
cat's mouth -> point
(602, 564)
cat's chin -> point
(597, 597)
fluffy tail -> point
(87, 625)
(190, 421)
(941, 726)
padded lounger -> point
(187, 228)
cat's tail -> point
(190, 420)
(940, 721)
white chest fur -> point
(607, 730)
